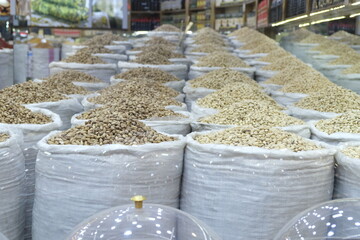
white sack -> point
(285, 98)
(199, 71)
(270, 86)
(176, 85)
(263, 75)
(347, 174)
(127, 44)
(69, 191)
(234, 189)
(7, 68)
(332, 139)
(257, 64)
(41, 59)
(193, 94)
(347, 81)
(308, 114)
(111, 58)
(12, 185)
(178, 70)
(20, 62)
(31, 134)
(101, 71)
(199, 112)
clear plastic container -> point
(338, 219)
(148, 223)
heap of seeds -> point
(252, 45)
(350, 59)
(167, 28)
(341, 34)
(152, 59)
(221, 59)
(233, 93)
(348, 122)
(153, 74)
(253, 113)
(162, 50)
(300, 34)
(262, 137)
(353, 152)
(72, 76)
(208, 48)
(159, 41)
(331, 99)
(306, 84)
(4, 137)
(103, 131)
(284, 63)
(140, 111)
(274, 55)
(353, 69)
(65, 87)
(284, 77)
(313, 38)
(12, 113)
(219, 78)
(30, 92)
(94, 49)
(265, 48)
(105, 39)
(84, 58)
(209, 40)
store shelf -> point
(198, 9)
(230, 5)
(145, 12)
(173, 11)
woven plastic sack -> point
(31, 134)
(64, 108)
(199, 112)
(7, 68)
(257, 64)
(89, 105)
(286, 99)
(347, 174)
(111, 57)
(12, 185)
(20, 62)
(178, 70)
(176, 85)
(301, 130)
(101, 71)
(90, 86)
(270, 87)
(193, 94)
(263, 75)
(249, 56)
(68, 191)
(127, 44)
(334, 138)
(334, 72)
(233, 189)
(41, 59)
(308, 114)
(199, 71)
(349, 81)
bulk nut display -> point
(132, 110)
(101, 131)
(105, 39)
(265, 48)
(258, 42)
(163, 50)
(151, 58)
(307, 84)
(84, 58)
(65, 87)
(159, 41)
(313, 38)
(274, 55)
(208, 48)
(286, 76)
(349, 59)
(72, 76)
(355, 69)
(252, 113)
(31, 92)
(219, 78)
(348, 122)
(262, 137)
(353, 152)
(285, 63)
(331, 99)
(11, 113)
(233, 93)
(94, 49)
(153, 74)
(4, 137)
(221, 59)
(167, 28)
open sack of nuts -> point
(32, 124)
(194, 52)
(166, 31)
(341, 129)
(152, 74)
(12, 184)
(107, 41)
(100, 165)
(104, 53)
(254, 113)
(45, 96)
(347, 171)
(236, 178)
(218, 60)
(86, 63)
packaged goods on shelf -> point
(347, 171)
(12, 183)
(114, 170)
(249, 167)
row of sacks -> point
(231, 188)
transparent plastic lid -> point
(337, 219)
(152, 221)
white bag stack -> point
(234, 189)
(64, 108)
(101, 71)
(12, 180)
(347, 174)
(20, 62)
(178, 70)
(69, 191)
(7, 68)
(41, 59)
(31, 134)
